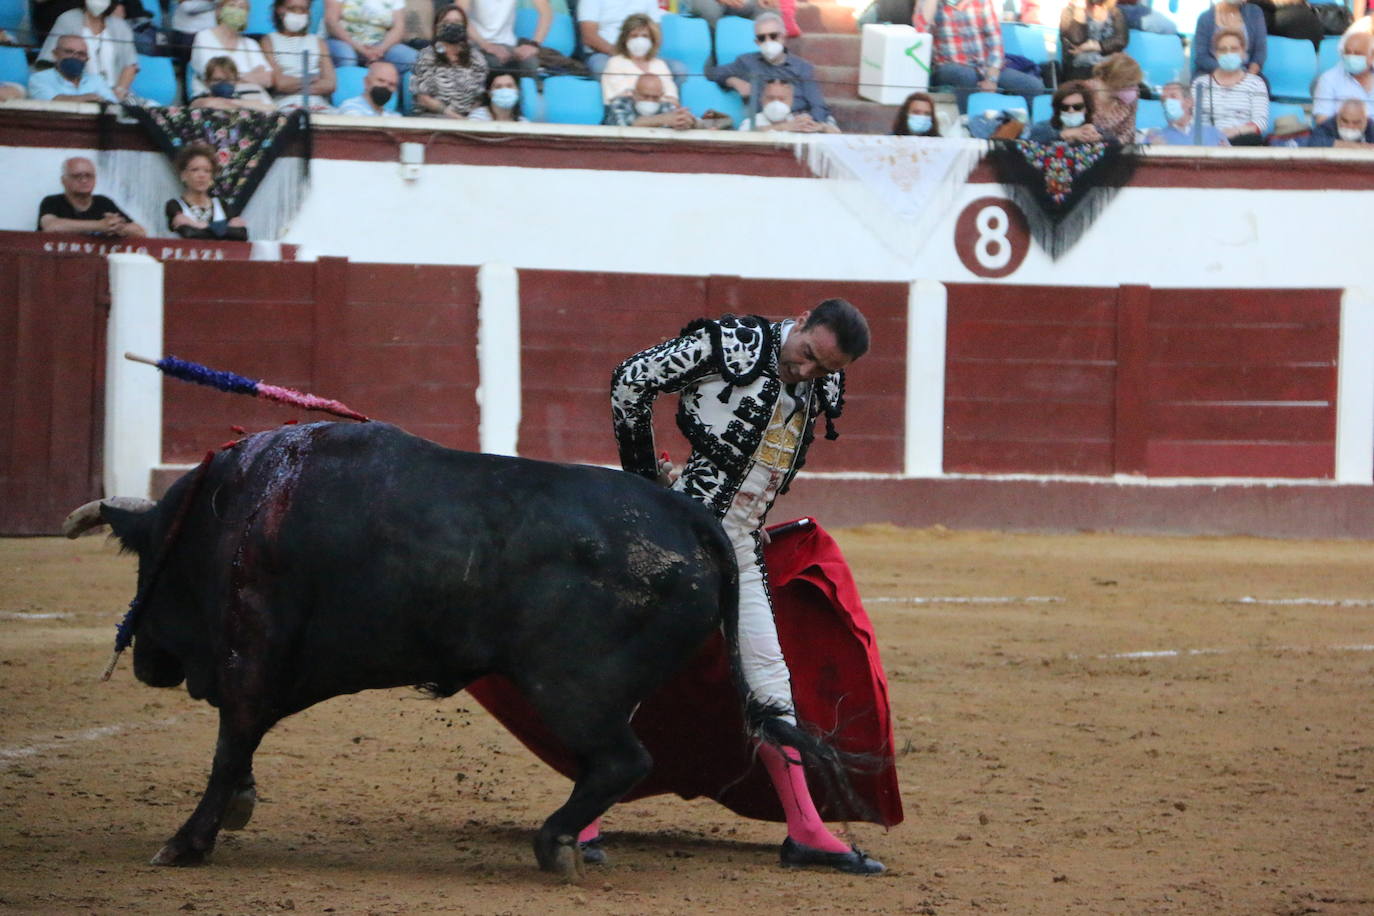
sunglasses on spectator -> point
(1079, 107)
(768, 36)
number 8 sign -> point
(991, 237)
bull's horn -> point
(88, 516)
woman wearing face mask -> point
(227, 92)
(1233, 100)
(1089, 31)
(1116, 93)
(450, 76)
(196, 214)
(1232, 16)
(916, 117)
(227, 40)
(636, 53)
(502, 102)
(300, 63)
(1072, 121)
(109, 42)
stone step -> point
(838, 82)
(856, 116)
(827, 50)
(826, 18)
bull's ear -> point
(133, 528)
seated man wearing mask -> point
(71, 80)
(1350, 128)
(776, 112)
(646, 107)
(748, 73)
(1178, 111)
(1350, 78)
(378, 87)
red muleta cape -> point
(693, 726)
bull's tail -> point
(769, 722)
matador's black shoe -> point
(853, 862)
(593, 853)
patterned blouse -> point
(459, 88)
(368, 21)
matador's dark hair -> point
(848, 324)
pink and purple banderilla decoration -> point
(234, 383)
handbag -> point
(1334, 19)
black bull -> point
(321, 560)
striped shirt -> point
(1231, 106)
(965, 32)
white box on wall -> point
(894, 61)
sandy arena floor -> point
(1049, 769)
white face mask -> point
(639, 46)
(777, 110)
(295, 22)
(97, 8)
(771, 50)
(645, 108)
(1350, 134)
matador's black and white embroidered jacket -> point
(727, 373)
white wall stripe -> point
(133, 391)
(927, 317)
(1355, 389)
(498, 359)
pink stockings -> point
(804, 824)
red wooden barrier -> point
(1137, 380)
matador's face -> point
(810, 353)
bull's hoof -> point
(240, 809)
(562, 857)
(177, 853)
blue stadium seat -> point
(1290, 67)
(1160, 56)
(14, 66)
(734, 36)
(700, 95)
(1279, 109)
(1042, 108)
(561, 38)
(316, 15)
(12, 13)
(1029, 41)
(156, 80)
(1150, 113)
(572, 100)
(1329, 54)
(980, 102)
(259, 18)
(531, 102)
(686, 40)
(348, 83)
(154, 8)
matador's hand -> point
(667, 471)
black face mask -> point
(222, 89)
(380, 95)
(453, 33)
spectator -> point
(1072, 120)
(363, 31)
(227, 40)
(1178, 111)
(916, 117)
(967, 53)
(189, 19)
(636, 53)
(1140, 15)
(599, 25)
(109, 42)
(449, 79)
(10, 92)
(70, 80)
(225, 91)
(379, 86)
(1350, 128)
(196, 214)
(1244, 19)
(1233, 100)
(772, 61)
(648, 106)
(1116, 84)
(502, 102)
(302, 69)
(492, 23)
(777, 112)
(1089, 31)
(1350, 78)
(712, 10)
(76, 209)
